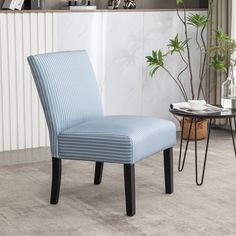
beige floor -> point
(85, 209)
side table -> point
(228, 114)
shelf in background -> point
(98, 10)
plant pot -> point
(202, 129)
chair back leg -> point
(98, 172)
(129, 177)
(56, 180)
(168, 168)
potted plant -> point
(218, 57)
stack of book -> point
(13, 4)
(19, 4)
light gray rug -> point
(85, 209)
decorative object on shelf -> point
(114, 4)
(117, 4)
(219, 57)
(34, 4)
(130, 4)
(19, 4)
(111, 4)
(228, 91)
(13, 4)
(79, 5)
(9, 4)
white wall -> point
(117, 44)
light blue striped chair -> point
(79, 131)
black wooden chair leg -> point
(98, 172)
(168, 167)
(56, 180)
(129, 177)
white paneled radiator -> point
(22, 122)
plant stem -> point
(201, 86)
(182, 71)
(179, 16)
(203, 67)
(205, 54)
(188, 52)
(202, 62)
(177, 83)
(200, 49)
(196, 38)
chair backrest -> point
(67, 89)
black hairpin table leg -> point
(232, 133)
(206, 151)
(181, 165)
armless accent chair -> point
(79, 131)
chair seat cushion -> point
(118, 139)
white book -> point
(9, 4)
(19, 4)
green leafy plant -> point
(221, 54)
(218, 57)
(197, 20)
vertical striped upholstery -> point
(77, 127)
(68, 91)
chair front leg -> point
(56, 180)
(129, 177)
(98, 172)
(168, 168)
